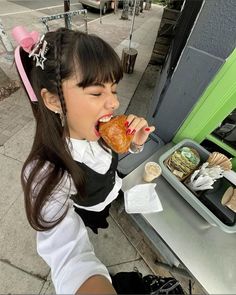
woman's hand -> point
(139, 127)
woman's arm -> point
(96, 285)
(68, 252)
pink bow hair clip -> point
(25, 39)
(31, 43)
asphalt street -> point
(48, 7)
(40, 4)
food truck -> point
(193, 105)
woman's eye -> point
(96, 94)
(114, 92)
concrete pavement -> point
(21, 269)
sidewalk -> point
(22, 270)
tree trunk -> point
(128, 59)
(148, 5)
(125, 11)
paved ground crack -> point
(6, 261)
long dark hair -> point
(70, 52)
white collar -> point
(77, 148)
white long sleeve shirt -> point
(66, 248)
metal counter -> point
(205, 250)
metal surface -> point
(67, 15)
(156, 242)
(206, 251)
(5, 40)
(128, 162)
(192, 75)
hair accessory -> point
(30, 43)
(23, 76)
(62, 117)
(40, 56)
(25, 39)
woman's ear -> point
(51, 101)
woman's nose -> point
(112, 102)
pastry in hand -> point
(219, 159)
(114, 134)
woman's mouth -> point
(103, 119)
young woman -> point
(69, 178)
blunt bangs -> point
(96, 61)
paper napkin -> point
(142, 198)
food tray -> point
(189, 196)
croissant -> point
(114, 134)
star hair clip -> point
(40, 56)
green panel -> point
(221, 144)
(216, 103)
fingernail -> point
(147, 129)
(133, 132)
(126, 124)
(128, 131)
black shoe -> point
(161, 285)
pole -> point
(6, 42)
(86, 22)
(67, 18)
(132, 24)
(100, 11)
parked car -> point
(104, 4)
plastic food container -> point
(206, 203)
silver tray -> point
(185, 192)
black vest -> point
(97, 186)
